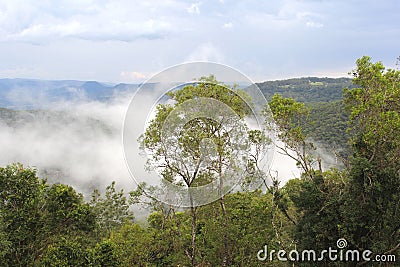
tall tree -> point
(374, 117)
(372, 207)
(21, 196)
(200, 139)
(288, 116)
(317, 194)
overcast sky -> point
(128, 41)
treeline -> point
(306, 90)
(327, 122)
(52, 225)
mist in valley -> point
(78, 141)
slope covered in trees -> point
(308, 89)
(326, 126)
(327, 121)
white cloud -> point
(310, 19)
(303, 15)
(206, 52)
(194, 8)
(39, 22)
(90, 39)
(228, 25)
(135, 76)
(78, 142)
(313, 24)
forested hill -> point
(326, 125)
(308, 89)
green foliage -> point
(133, 244)
(5, 244)
(112, 210)
(307, 90)
(183, 150)
(323, 98)
(21, 213)
(288, 116)
(209, 87)
(374, 112)
(317, 201)
(250, 227)
(205, 148)
(171, 238)
(52, 225)
(67, 208)
(327, 126)
(65, 252)
(371, 210)
(36, 216)
(105, 255)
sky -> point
(129, 41)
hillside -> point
(308, 89)
(323, 96)
(328, 126)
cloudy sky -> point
(129, 40)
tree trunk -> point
(194, 230)
(225, 224)
(224, 215)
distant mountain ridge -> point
(31, 93)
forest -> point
(356, 202)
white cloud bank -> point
(80, 143)
(97, 40)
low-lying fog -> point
(80, 143)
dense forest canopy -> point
(44, 224)
(309, 89)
